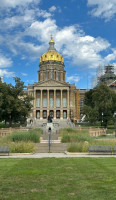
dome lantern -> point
(51, 43)
(51, 54)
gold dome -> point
(51, 54)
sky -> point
(84, 32)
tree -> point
(14, 102)
(99, 103)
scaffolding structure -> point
(106, 74)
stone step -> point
(54, 148)
(51, 141)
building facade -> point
(52, 94)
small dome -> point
(51, 54)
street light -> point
(115, 123)
(102, 118)
(49, 138)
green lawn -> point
(58, 179)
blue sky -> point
(84, 32)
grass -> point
(75, 135)
(58, 179)
(80, 140)
(25, 136)
(21, 142)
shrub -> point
(21, 147)
(77, 137)
(25, 136)
(78, 147)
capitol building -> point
(52, 94)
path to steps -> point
(57, 155)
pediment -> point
(52, 83)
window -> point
(44, 102)
(64, 114)
(57, 102)
(45, 75)
(64, 102)
(51, 75)
(57, 76)
(51, 102)
(38, 115)
(38, 102)
(44, 114)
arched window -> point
(45, 75)
(51, 75)
(57, 76)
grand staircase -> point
(53, 145)
(56, 124)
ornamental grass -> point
(32, 135)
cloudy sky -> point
(84, 32)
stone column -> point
(61, 111)
(34, 104)
(54, 104)
(48, 96)
(68, 104)
(54, 99)
(41, 106)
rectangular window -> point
(64, 114)
(51, 75)
(38, 102)
(64, 102)
(38, 114)
(45, 75)
(57, 102)
(51, 102)
(44, 102)
(57, 76)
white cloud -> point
(111, 57)
(23, 74)
(42, 29)
(103, 8)
(14, 3)
(5, 73)
(31, 36)
(70, 41)
(74, 78)
(5, 62)
(52, 9)
(24, 19)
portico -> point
(51, 101)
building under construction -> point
(108, 76)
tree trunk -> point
(10, 122)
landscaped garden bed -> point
(21, 142)
(80, 140)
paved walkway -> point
(56, 155)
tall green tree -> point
(14, 102)
(100, 104)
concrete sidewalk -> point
(58, 155)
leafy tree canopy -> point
(100, 104)
(14, 102)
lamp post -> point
(49, 138)
(102, 118)
(115, 123)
